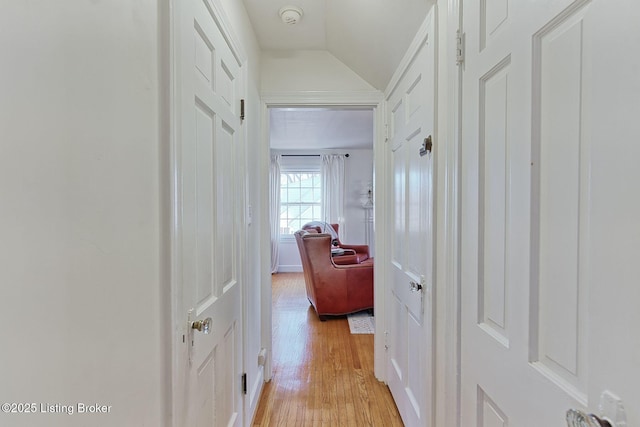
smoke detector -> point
(290, 15)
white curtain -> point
(333, 190)
(274, 210)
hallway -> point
(322, 374)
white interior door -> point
(410, 312)
(209, 187)
(549, 202)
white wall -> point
(83, 309)
(309, 70)
(358, 174)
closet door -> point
(207, 210)
(549, 207)
(410, 301)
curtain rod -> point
(306, 155)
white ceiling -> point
(369, 36)
(320, 128)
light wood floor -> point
(322, 374)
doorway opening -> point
(293, 114)
(300, 136)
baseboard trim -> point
(289, 269)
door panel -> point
(208, 203)
(559, 217)
(493, 203)
(530, 327)
(410, 346)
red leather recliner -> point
(333, 289)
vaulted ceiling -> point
(369, 36)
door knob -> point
(203, 326)
(577, 418)
(427, 146)
(415, 286)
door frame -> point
(374, 100)
(451, 331)
(449, 214)
(172, 169)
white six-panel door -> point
(548, 193)
(207, 208)
(410, 312)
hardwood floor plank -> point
(322, 374)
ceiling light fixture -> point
(290, 15)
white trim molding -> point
(447, 342)
(322, 98)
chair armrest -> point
(352, 266)
(358, 248)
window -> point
(300, 199)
